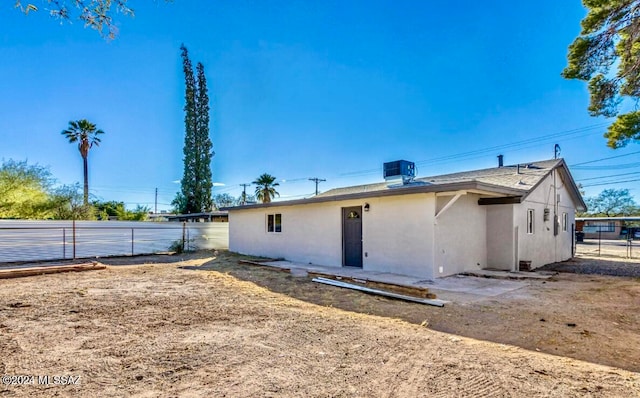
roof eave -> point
(456, 186)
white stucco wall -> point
(400, 236)
(500, 237)
(460, 236)
(397, 233)
(310, 233)
(542, 247)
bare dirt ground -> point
(216, 328)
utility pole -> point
(244, 193)
(317, 180)
(156, 208)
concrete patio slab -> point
(498, 274)
(457, 288)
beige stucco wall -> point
(542, 247)
(460, 236)
(397, 233)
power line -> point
(599, 160)
(610, 183)
(474, 154)
(244, 193)
(317, 180)
(516, 143)
(609, 176)
(608, 167)
(478, 153)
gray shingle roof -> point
(513, 180)
(522, 178)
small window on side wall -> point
(278, 218)
(530, 220)
(565, 221)
(269, 222)
(274, 222)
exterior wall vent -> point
(399, 169)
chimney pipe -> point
(500, 160)
(518, 172)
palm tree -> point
(265, 190)
(86, 135)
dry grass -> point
(161, 330)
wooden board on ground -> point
(415, 291)
(332, 282)
(54, 269)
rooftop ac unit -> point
(399, 169)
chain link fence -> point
(623, 247)
(22, 241)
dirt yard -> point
(216, 328)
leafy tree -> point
(140, 213)
(108, 209)
(97, 14)
(66, 203)
(612, 203)
(606, 54)
(223, 200)
(86, 135)
(265, 190)
(244, 199)
(179, 203)
(196, 183)
(118, 210)
(23, 190)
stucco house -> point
(496, 218)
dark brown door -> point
(352, 236)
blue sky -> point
(302, 89)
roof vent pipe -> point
(518, 172)
(500, 160)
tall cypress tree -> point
(203, 142)
(196, 184)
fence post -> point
(184, 229)
(132, 241)
(64, 243)
(74, 239)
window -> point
(565, 221)
(530, 217)
(601, 226)
(274, 222)
(610, 227)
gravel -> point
(588, 265)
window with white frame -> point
(609, 227)
(601, 226)
(530, 221)
(274, 222)
(565, 221)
